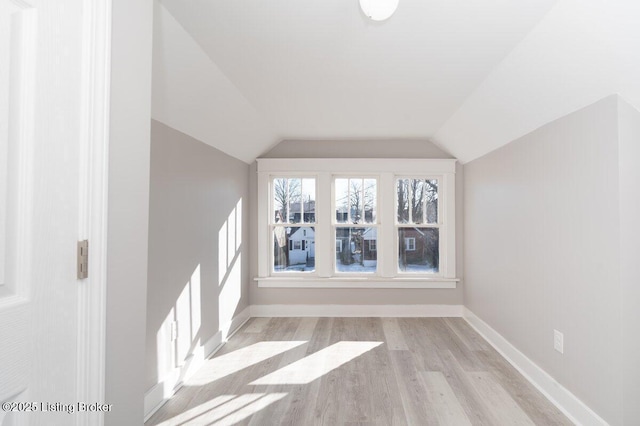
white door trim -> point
(15, 296)
(96, 72)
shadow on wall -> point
(181, 346)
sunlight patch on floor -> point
(230, 363)
(225, 409)
(318, 364)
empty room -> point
(337, 212)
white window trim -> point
(387, 171)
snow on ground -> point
(358, 268)
(422, 269)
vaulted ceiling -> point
(469, 75)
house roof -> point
(469, 76)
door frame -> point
(93, 204)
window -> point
(355, 204)
(292, 215)
(380, 223)
(417, 225)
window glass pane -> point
(342, 200)
(295, 198)
(370, 192)
(356, 201)
(294, 249)
(416, 200)
(431, 195)
(280, 200)
(356, 250)
(309, 200)
(418, 250)
(402, 190)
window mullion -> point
(448, 226)
(325, 234)
(264, 230)
(387, 239)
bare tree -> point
(418, 203)
(361, 200)
(431, 194)
(403, 200)
(417, 198)
(414, 195)
(355, 200)
(285, 193)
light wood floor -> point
(357, 371)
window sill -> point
(356, 282)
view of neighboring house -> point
(418, 250)
(302, 247)
(309, 209)
(356, 249)
(294, 248)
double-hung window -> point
(355, 226)
(417, 225)
(386, 223)
(293, 218)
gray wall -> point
(194, 189)
(629, 128)
(128, 210)
(542, 250)
(356, 149)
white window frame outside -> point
(410, 244)
(387, 171)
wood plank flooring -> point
(357, 371)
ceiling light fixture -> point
(378, 10)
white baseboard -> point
(160, 393)
(153, 400)
(356, 310)
(576, 410)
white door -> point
(44, 173)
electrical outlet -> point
(558, 341)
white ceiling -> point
(471, 75)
